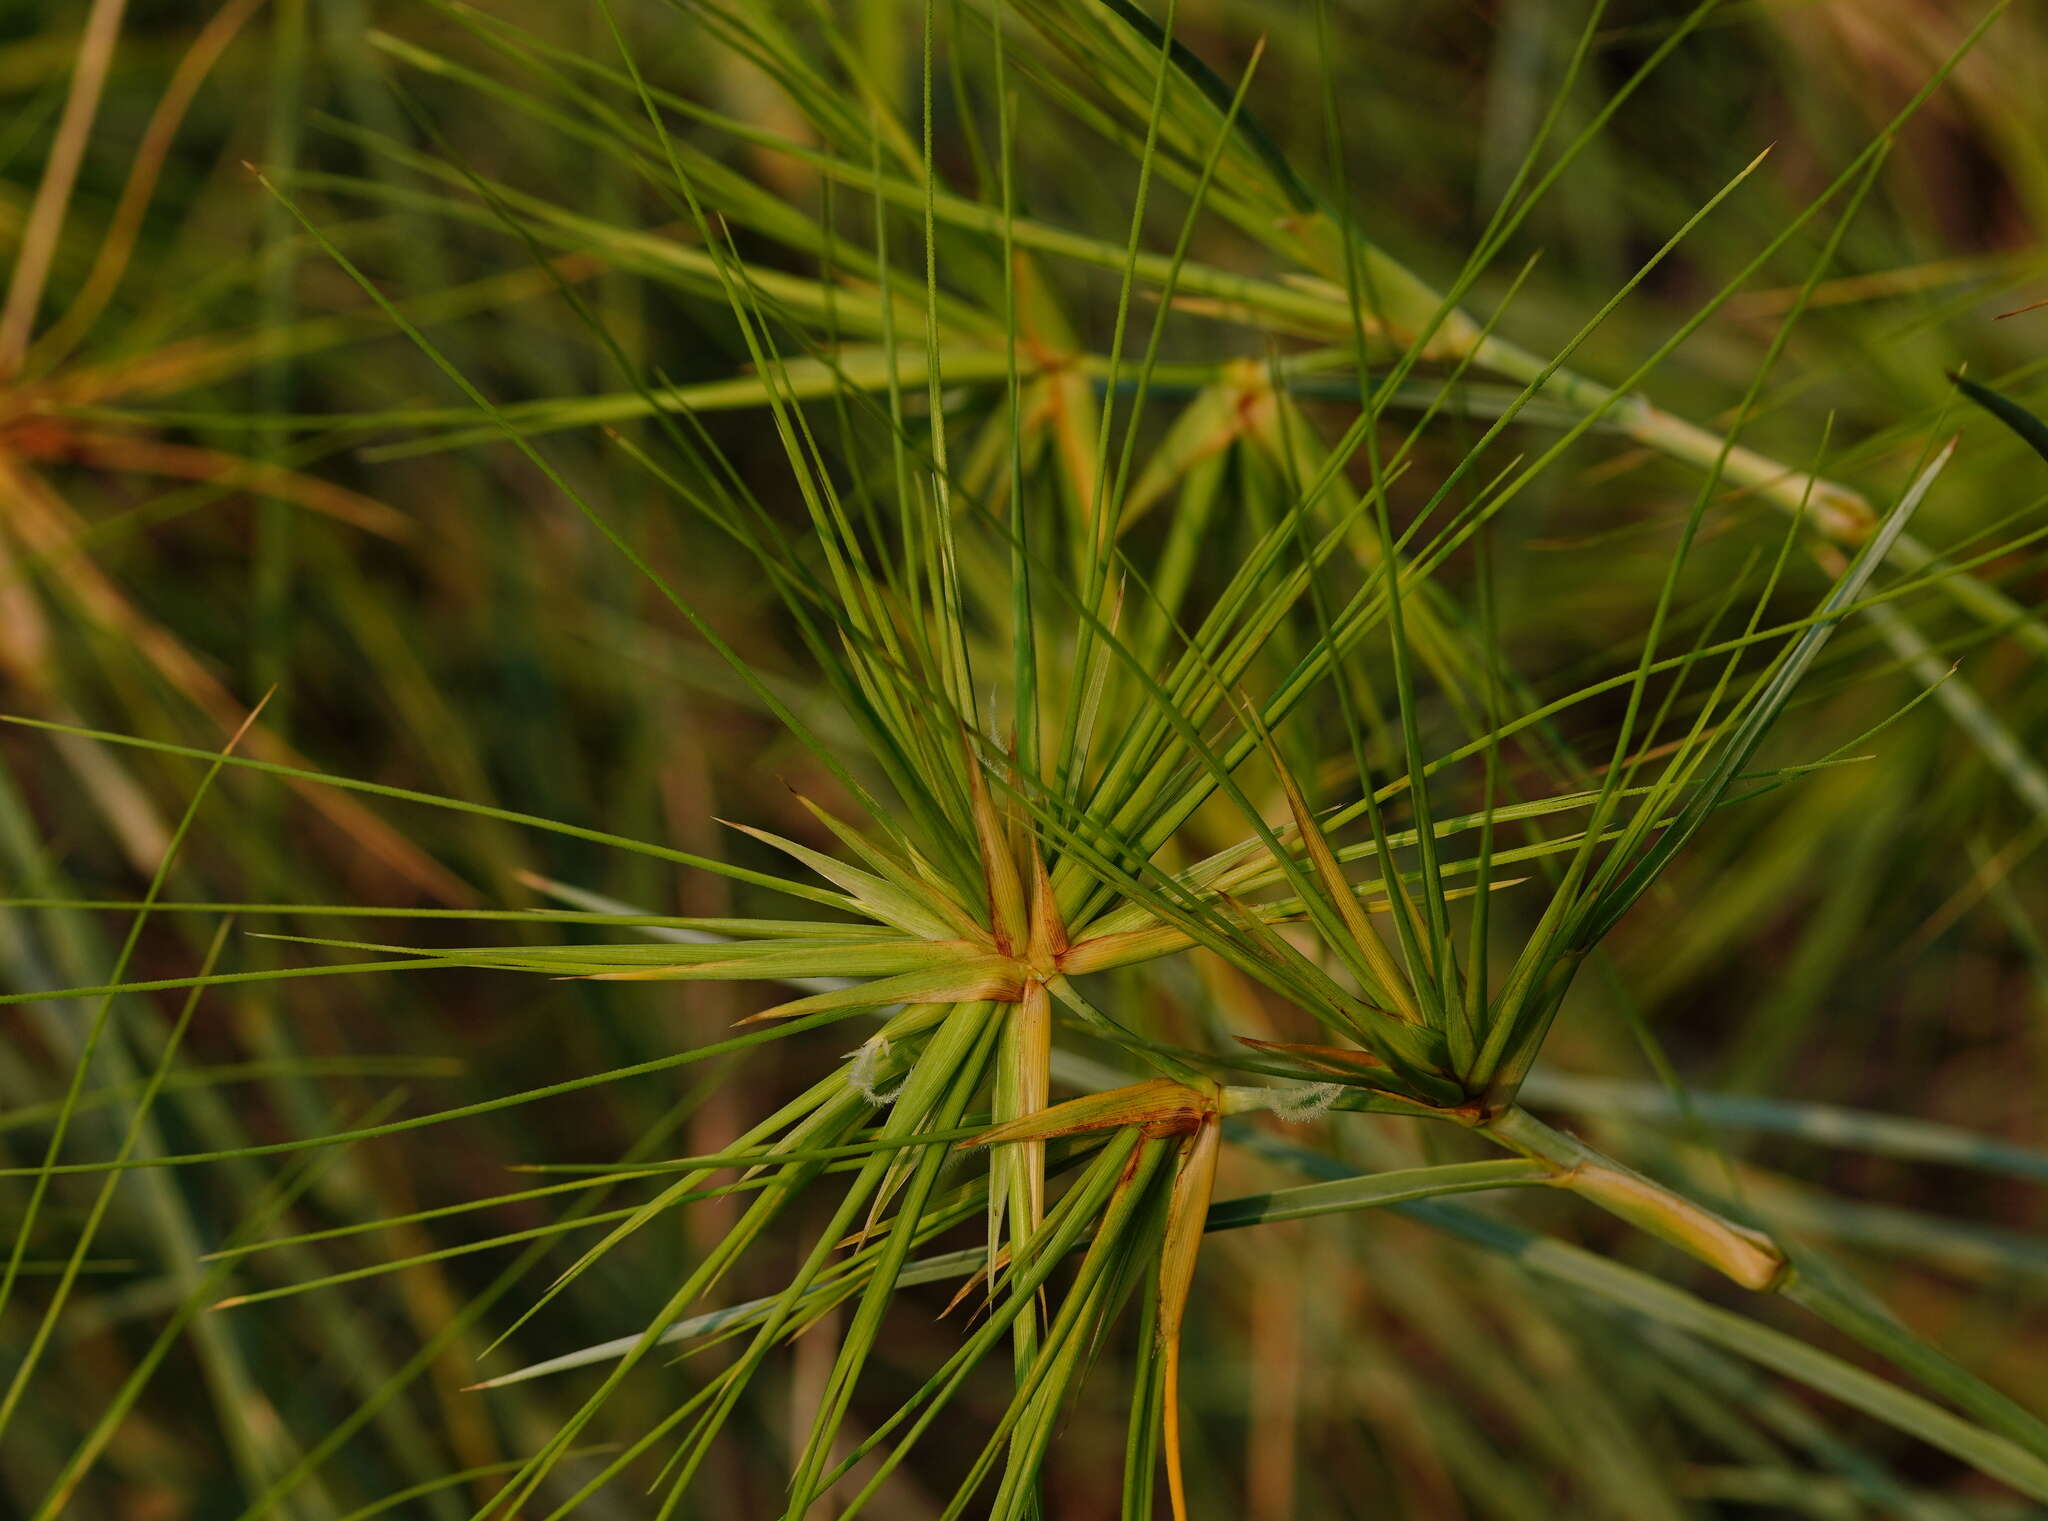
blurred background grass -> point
(186, 525)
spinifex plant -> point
(1116, 731)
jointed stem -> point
(1747, 1256)
(1840, 513)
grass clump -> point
(1161, 757)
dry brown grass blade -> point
(145, 456)
(192, 362)
(117, 245)
(48, 528)
(166, 371)
(1194, 1183)
(998, 1260)
(60, 174)
(25, 645)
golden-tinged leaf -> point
(1344, 1060)
(1194, 1183)
(984, 979)
(1160, 1107)
(1005, 888)
(1101, 952)
(1048, 947)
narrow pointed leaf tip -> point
(2029, 427)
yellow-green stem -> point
(1748, 1257)
(1840, 513)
